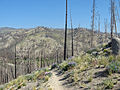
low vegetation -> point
(91, 72)
(85, 71)
(41, 75)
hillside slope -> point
(40, 47)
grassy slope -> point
(92, 72)
(83, 72)
(28, 81)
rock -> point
(95, 53)
(102, 66)
(115, 47)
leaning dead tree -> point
(65, 41)
(93, 22)
(72, 34)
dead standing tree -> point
(72, 34)
(105, 23)
(98, 29)
(99, 26)
(41, 58)
(65, 41)
(93, 18)
(113, 19)
(15, 63)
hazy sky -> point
(50, 13)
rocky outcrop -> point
(112, 47)
(115, 46)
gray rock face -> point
(115, 46)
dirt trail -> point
(55, 83)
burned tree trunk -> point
(15, 64)
(57, 56)
(72, 32)
(106, 30)
(99, 27)
(93, 18)
(98, 30)
(65, 41)
(113, 19)
(1, 75)
(41, 59)
(44, 59)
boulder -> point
(95, 53)
(115, 47)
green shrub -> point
(113, 67)
(24, 84)
(70, 65)
(53, 66)
(19, 87)
(107, 51)
(92, 50)
(50, 89)
(103, 61)
(46, 78)
(90, 79)
(29, 77)
(118, 58)
(34, 88)
(78, 60)
(75, 77)
(108, 84)
(46, 70)
(48, 74)
(1, 88)
(61, 66)
(38, 75)
(111, 58)
(37, 59)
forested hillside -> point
(64, 57)
(38, 44)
